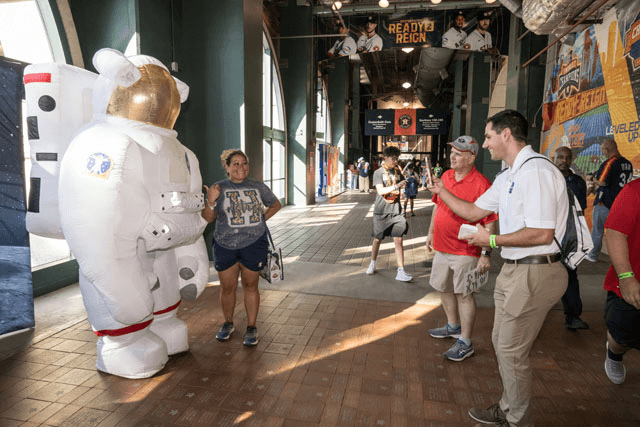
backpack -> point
(576, 242)
(411, 190)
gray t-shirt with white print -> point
(240, 220)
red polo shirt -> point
(446, 224)
(624, 217)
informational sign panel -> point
(430, 122)
(406, 122)
(378, 122)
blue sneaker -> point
(251, 336)
(225, 331)
(459, 351)
(446, 332)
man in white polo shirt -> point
(530, 197)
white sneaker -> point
(615, 370)
(402, 276)
(372, 268)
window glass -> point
(23, 37)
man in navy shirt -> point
(612, 175)
(571, 302)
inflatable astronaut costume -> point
(130, 196)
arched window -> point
(273, 122)
(28, 33)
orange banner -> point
(405, 122)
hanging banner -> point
(430, 122)
(415, 29)
(474, 29)
(378, 122)
(405, 122)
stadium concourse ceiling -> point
(423, 63)
(428, 66)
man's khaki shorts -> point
(449, 272)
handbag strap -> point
(269, 235)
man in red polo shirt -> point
(458, 267)
(622, 310)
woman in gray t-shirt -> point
(237, 205)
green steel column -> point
(525, 86)
(456, 125)
(478, 92)
(219, 54)
(338, 100)
(297, 59)
(354, 143)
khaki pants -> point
(523, 295)
(363, 183)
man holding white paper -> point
(531, 199)
(458, 267)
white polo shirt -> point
(532, 195)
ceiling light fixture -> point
(337, 5)
(407, 49)
(385, 3)
(490, 1)
(406, 85)
(406, 104)
(436, 1)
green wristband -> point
(492, 241)
(626, 275)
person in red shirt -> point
(458, 266)
(622, 310)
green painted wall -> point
(103, 24)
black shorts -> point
(623, 321)
(253, 257)
(394, 225)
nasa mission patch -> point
(100, 165)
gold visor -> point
(154, 99)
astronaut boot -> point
(139, 354)
(173, 332)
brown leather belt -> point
(535, 259)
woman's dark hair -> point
(227, 155)
(512, 120)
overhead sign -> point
(378, 122)
(429, 122)
(406, 121)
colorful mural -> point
(591, 94)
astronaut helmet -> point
(138, 88)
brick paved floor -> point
(321, 360)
